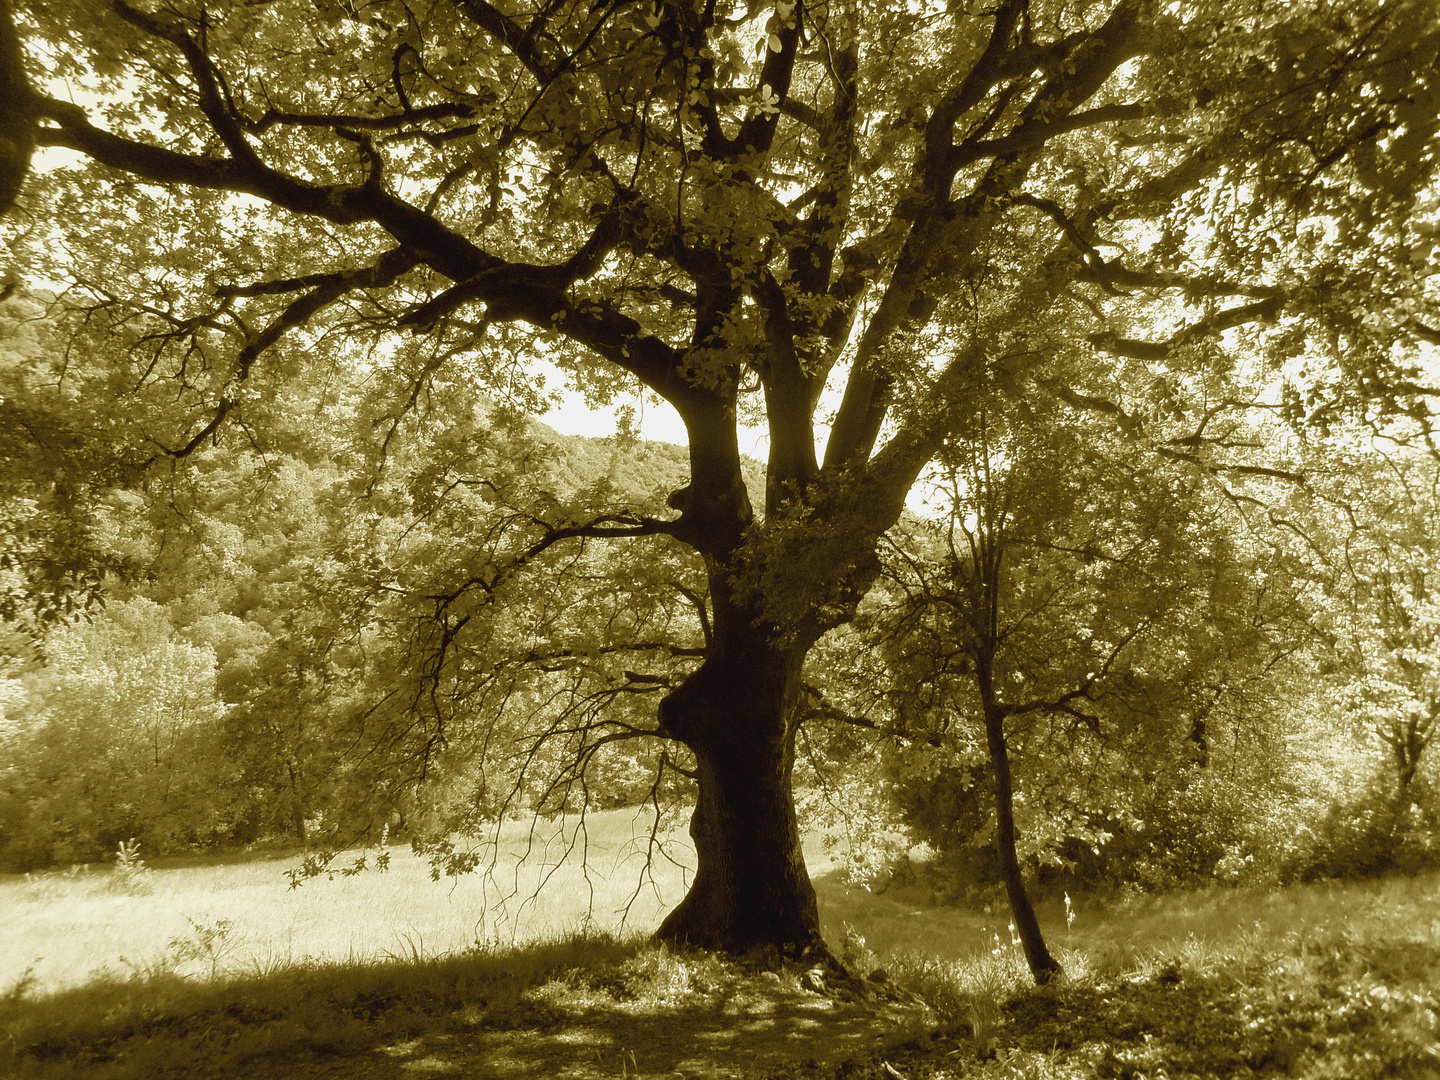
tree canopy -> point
(851, 222)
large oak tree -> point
(824, 217)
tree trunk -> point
(1043, 966)
(297, 807)
(737, 714)
(1409, 743)
(17, 119)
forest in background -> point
(1239, 674)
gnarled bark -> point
(737, 714)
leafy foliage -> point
(311, 600)
(1079, 217)
(1132, 626)
(121, 740)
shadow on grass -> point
(898, 918)
(1335, 981)
(578, 1007)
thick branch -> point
(442, 111)
(1037, 133)
(145, 162)
(964, 224)
(501, 277)
(1221, 320)
(1132, 425)
(606, 526)
(520, 42)
(447, 251)
(822, 708)
(207, 79)
(1082, 692)
(534, 657)
(757, 133)
(987, 72)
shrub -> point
(131, 876)
(1380, 832)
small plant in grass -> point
(131, 876)
(410, 948)
(23, 986)
(655, 974)
(206, 944)
(54, 884)
(855, 954)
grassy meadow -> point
(221, 969)
(68, 927)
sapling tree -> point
(1079, 613)
(817, 217)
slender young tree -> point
(1080, 609)
(978, 566)
(819, 216)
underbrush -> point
(1356, 824)
(1321, 981)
